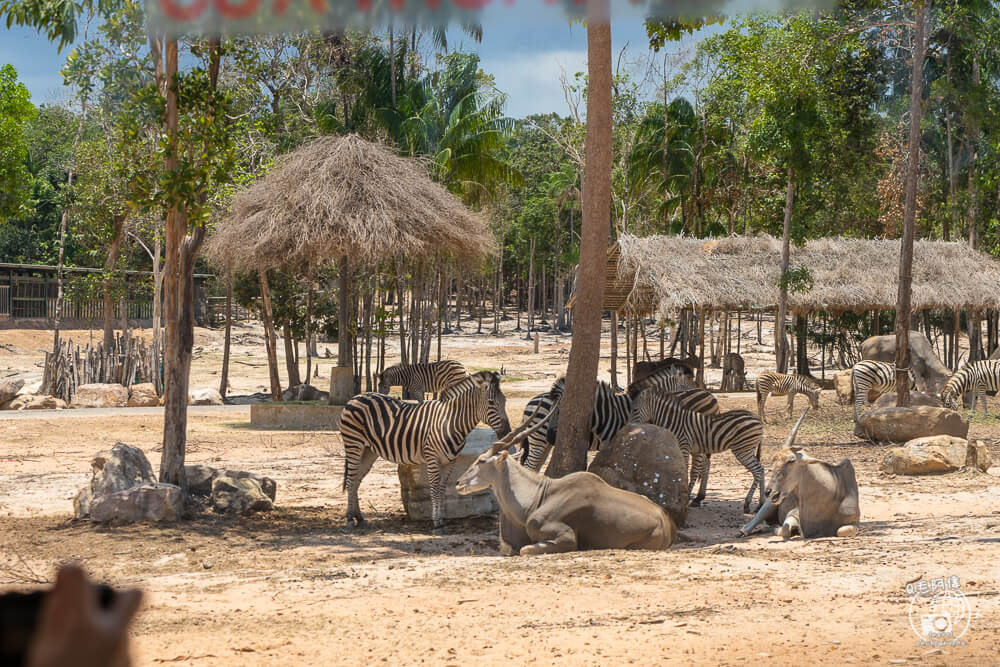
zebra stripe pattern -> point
(977, 377)
(779, 384)
(698, 435)
(419, 379)
(611, 412)
(430, 433)
(872, 376)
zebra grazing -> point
(701, 435)
(778, 384)
(611, 412)
(418, 379)
(977, 377)
(432, 433)
(872, 376)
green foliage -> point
(796, 279)
(16, 111)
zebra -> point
(872, 376)
(611, 412)
(432, 433)
(779, 384)
(701, 435)
(977, 377)
(418, 379)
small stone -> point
(206, 565)
(204, 397)
(978, 456)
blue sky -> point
(525, 47)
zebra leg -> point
(761, 405)
(437, 494)
(791, 403)
(752, 463)
(538, 451)
(704, 464)
(363, 463)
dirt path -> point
(296, 587)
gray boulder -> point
(239, 495)
(113, 471)
(646, 459)
(9, 389)
(905, 424)
(147, 502)
(201, 478)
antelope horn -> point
(795, 430)
(521, 431)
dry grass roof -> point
(340, 196)
(664, 274)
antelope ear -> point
(800, 454)
(502, 456)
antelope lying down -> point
(810, 497)
(579, 511)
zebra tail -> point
(343, 485)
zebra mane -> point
(463, 386)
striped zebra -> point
(872, 377)
(977, 377)
(700, 436)
(611, 412)
(432, 433)
(418, 379)
(779, 384)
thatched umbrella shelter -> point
(347, 200)
(664, 275)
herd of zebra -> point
(433, 432)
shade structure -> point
(665, 274)
(345, 197)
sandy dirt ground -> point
(296, 587)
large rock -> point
(119, 469)
(143, 395)
(148, 502)
(204, 397)
(304, 392)
(239, 495)
(927, 456)
(35, 402)
(842, 385)
(9, 389)
(646, 459)
(201, 478)
(416, 492)
(917, 398)
(100, 395)
(978, 456)
(905, 424)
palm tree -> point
(562, 186)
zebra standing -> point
(872, 376)
(977, 377)
(432, 433)
(779, 384)
(611, 412)
(418, 379)
(700, 436)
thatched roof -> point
(340, 196)
(667, 273)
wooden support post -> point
(614, 350)
(701, 361)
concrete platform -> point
(296, 416)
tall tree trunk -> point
(114, 250)
(291, 363)
(224, 380)
(531, 289)
(573, 439)
(344, 343)
(780, 340)
(308, 332)
(974, 322)
(270, 341)
(909, 215)
(157, 315)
